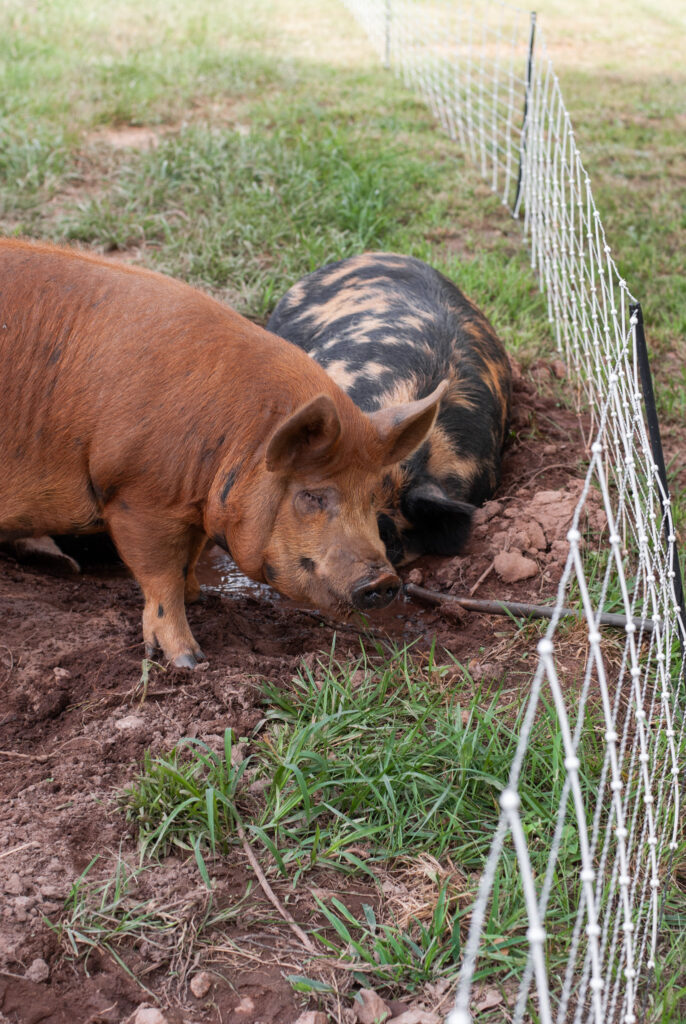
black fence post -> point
(522, 147)
(656, 449)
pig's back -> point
(389, 328)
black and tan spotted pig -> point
(389, 328)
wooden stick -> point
(271, 895)
(518, 609)
(16, 849)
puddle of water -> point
(219, 574)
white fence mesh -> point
(622, 726)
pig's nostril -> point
(375, 593)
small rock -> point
(370, 1007)
(201, 984)
(129, 722)
(246, 1005)
(14, 884)
(312, 1017)
(415, 576)
(512, 566)
(38, 971)
(559, 369)
(149, 1015)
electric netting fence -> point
(592, 951)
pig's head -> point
(302, 515)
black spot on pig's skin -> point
(229, 481)
(307, 564)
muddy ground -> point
(73, 731)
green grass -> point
(383, 756)
(266, 166)
(111, 914)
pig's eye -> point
(311, 501)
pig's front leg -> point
(198, 540)
(160, 555)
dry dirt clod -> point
(486, 512)
(370, 1007)
(149, 1015)
(246, 1005)
(453, 612)
(312, 1017)
(14, 885)
(200, 984)
(129, 723)
(512, 566)
(38, 971)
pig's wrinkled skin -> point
(135, 404)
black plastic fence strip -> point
(529, 72)
(653, 424)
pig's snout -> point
(376, 592)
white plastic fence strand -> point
(621, 724)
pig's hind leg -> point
(159, 554)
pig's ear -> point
(305, 436)
(402, 428)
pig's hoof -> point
(188, 659)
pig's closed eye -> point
(309, 501)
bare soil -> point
(73, 730)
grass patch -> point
(367, 768)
